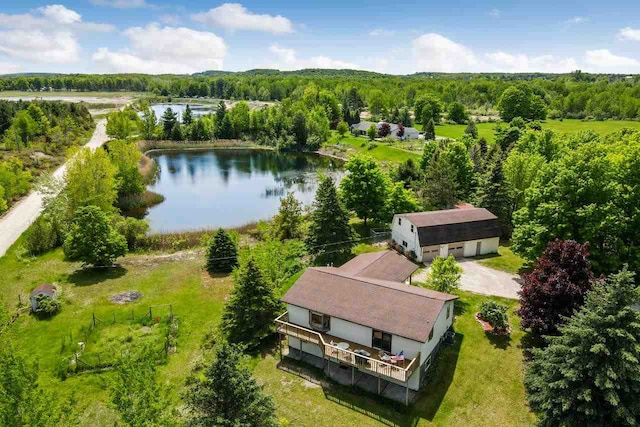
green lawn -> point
(564, 126)
(467, 390)
(378, 150)
(505, 260)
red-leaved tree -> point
(385, 129)
(557, 286)
(400, 131)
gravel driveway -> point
(482, 280)
(22, 214)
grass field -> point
(565, 126)
(379, 150)
(466, 390)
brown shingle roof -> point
(44, 289)
(403, 310)
(454, 225)
(383, 265)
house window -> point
(412, 228)
(399, 221)
(404, 243)
(430, 335)
(381, 340)
(319, 321)
(449, 310)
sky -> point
(395, 37)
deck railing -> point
(336, 353)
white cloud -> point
(577, 20)
(60, 14)
(521, 63)
(494, 12)
(380, 32)
(159, 50)
(605, 61)
(629, 33)
(169, 19)
(34, 45)
(234, 16)
(6, 68)
(434, 52)
(120, 4)
(287, 60)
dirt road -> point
(21, 215)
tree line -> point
(575, 95)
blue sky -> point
(398, 37)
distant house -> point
(46, 290)
(360, 129)
(465, 231)
(362, 324)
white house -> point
(461, 232)
(363, 317)
(360, 129)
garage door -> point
(430, 252)
(456, 249)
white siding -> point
(402, 232)
(355, 333)
(441, 326)
(488, 246)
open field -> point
(568, 126)
(379, 150)
(466, 390)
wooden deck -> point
(400, 371)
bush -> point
(495, 314)
(134, 230)
(46, 306)
(41, 237)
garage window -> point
(404, 243)
(399, 221)
(412, 228)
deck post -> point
(378, 383)
(406, 396)
(352, 375)
(280, 344)
(300, 347)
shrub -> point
(46, 306)
(41, 236)
(495, 314)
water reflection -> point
(227, 188)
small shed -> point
(44, 289)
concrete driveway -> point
(482, 280)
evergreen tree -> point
(429, 131)
(169, 119)
(365, 188)
(222, 254)
(176, 132)
(221, 112)
(471, 129)
(299, 130)
(149, 123)
(329, 221)
(224, 128)
(187, 116)
(228, 396)
(288, 222)
(493, 194)
(248, 316)
(440, 187)
(589, 375)
(556, 287)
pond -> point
(230, 187)
(197, 110)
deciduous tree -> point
(288, 222)
(557, 286)
(445, 274)
(91, 180)
(365, 188)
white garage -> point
(461, 232)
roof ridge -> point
(363, 280)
